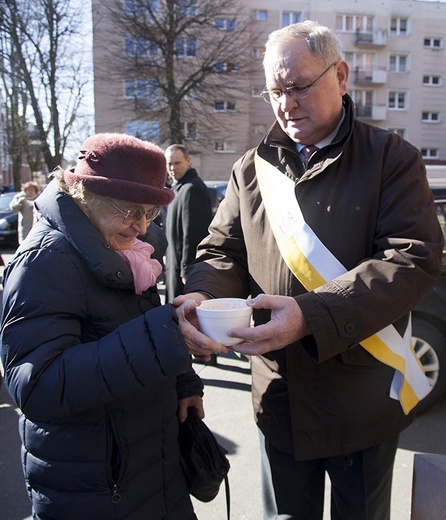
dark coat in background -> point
(188, 219)
(97, 372)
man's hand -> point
(286, 326)
(199, 345)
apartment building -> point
(396, 50)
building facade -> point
(397, 57)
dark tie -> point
(307, 152)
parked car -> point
(8, 220)
(429, 320)
(217, 191)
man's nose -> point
(287, 102)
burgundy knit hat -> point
(122, 167)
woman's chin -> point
(122, 242)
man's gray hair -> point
(322, 42)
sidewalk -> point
(229, 414)
(227, 403)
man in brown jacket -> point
(334, 251)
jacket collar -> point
(63, 214)
(276, 139)
(187, 177)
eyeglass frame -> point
(150, 215)
(294, 91)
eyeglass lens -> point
(136, 214)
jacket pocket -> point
(359, 356)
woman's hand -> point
(286, 326)
(195, 401)
(199, 345)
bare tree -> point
(181, 57)
(42, 74)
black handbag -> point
(203, 460)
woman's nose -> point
(141, 225)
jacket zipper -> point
(115, 462)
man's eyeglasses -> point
(133, 215)
(297, 92)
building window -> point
(225, 147)
(402, 132)
(147, 130)
(290, 17)
(430, 153)
(399, 63)
(135, 47)
(140, 48)
(354, 23)
(190, 131)
(225, 25)
(257, 53)
(186, 8)
(260, 15)
(224, 106)
(145, 93)
(134, 8)
(399, 26)
(259, 129)
(186, 48)
(432, 81)
(430, 117)
(224, 66)
(397, 100)
(361, 61)
(433, 43)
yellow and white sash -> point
(314, 265)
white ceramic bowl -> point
(217, 316)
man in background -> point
(188, 218)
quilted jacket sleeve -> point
(51, 370)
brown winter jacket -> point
(367, 199)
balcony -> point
(376, 38)
(371, 112)
(370, 77)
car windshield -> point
(5, 199)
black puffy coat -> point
(96, 371)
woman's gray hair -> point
(323, 44)
(77, 191)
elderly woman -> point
(100, 371)
(23, 204)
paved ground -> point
(229, 414)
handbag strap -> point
(228, 498)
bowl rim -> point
(199, 308)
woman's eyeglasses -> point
(134, 215)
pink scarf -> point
(145, 269)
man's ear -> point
(342, 73)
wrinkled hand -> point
(199, 345)
(286, 326)
(195, 401)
